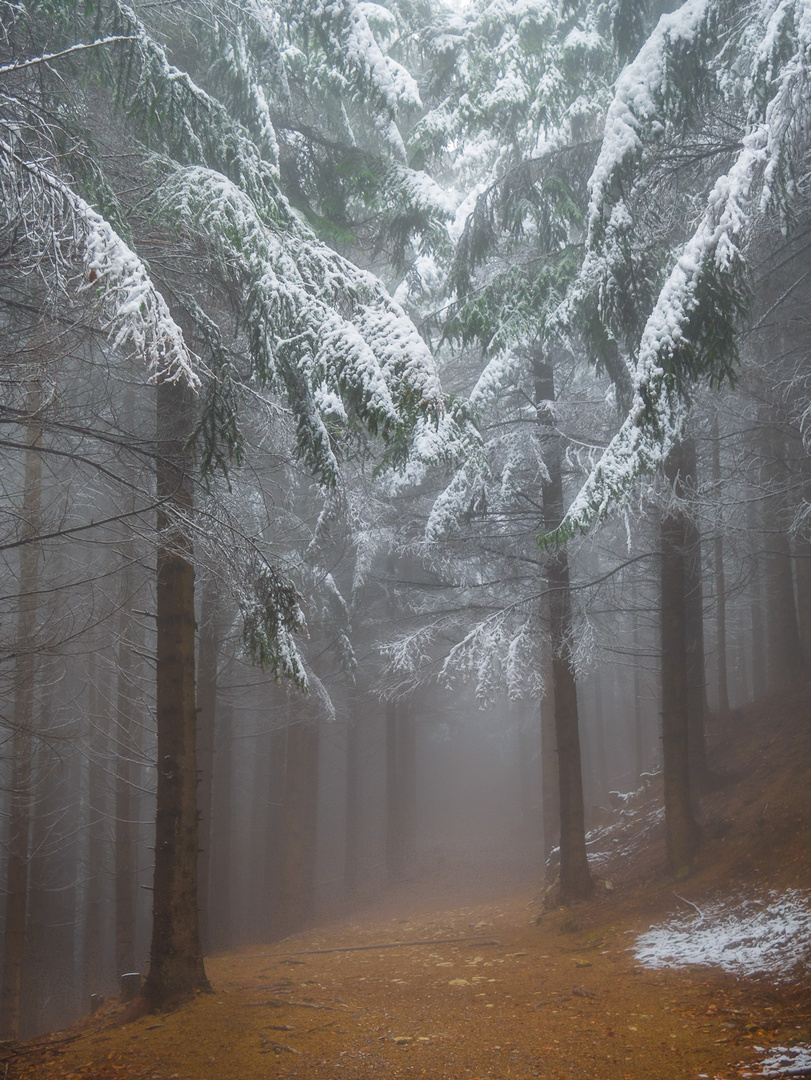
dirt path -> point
(562, 1000)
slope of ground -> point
(448, 988)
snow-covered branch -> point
(63, 228)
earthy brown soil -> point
(513, 994)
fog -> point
(405, 439)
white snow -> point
(768, 937)
(343, 327)
(634, 103)
(137, 314)
(785, 1061)
(347, 20)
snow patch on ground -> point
(769, 937)
(784, 1061)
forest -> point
(405, 416)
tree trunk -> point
(127, 749)
(176, 961)
(353, 773)
(575, 879)
(758, 664)
(297, 870)
(209, 658)
(401, 788)
(802, 563)
(720, 579)
(784, 652)
(274, 846)
(529, 776)
(680, 825)
(93, 959)
(694, 627)
(219, 886)
(550, 791)
(49, 999)
(640, 739)
(600, 751)
(394, 825)
(23, 717)
(407, 762)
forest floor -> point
(440, 982)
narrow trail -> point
(477, 988)
(507, 997)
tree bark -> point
(802, 563)
(640, 740)
(550, 792)
(353, 773)
(720, 580)
(22, 740)
(783, 650)
(176, 961)
(209, 658)
(680, 826)
(401, 788)
(694, 626)
(758, 658)
(219, 887)
(394, 827)
(297, 885)
(93, 937)
(575, 879)
(274, 846)
(600, 751)
(407, 759)
(126, 842)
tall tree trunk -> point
(550, 792)
(274, 843)
(640, 740)
(758, 660)
(680, 825)
(49, 974)
(720, 579)
(529, 776)
(219, 885)
(401, 788)
(23, 719)
(209, 658)
(694, 627)
(176, 961)
(802, 563)
(93, 937)
(300, 826)
(394, 824)
(353, 774)
(407, 762)
(127, 750)
(600, 750)
(575, 879)
(784, 652)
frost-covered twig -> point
(81, 46)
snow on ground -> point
(784, 1061)
(769, 937)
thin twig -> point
(690, 902)
(381, 945)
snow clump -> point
(770, 937)
(785, 1061)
